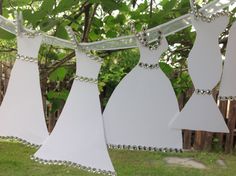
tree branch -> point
(74, 18)
(1, 6)
(53, 67)
(90, 21)
(86, 22)
(7, 50)
(150, 13)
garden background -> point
(94, 20)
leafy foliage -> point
(94, 20)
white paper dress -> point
(140, 108)
(78, 138)
(228, 81)
(205, 68)
(21, 112)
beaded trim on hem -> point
(25, 142)
(144, 148)
(72, 164)
(224, 98)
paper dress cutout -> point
(141, 106)
(21, 112)
(228, 82)
(78, 137)
(205, 67)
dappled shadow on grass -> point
(15, 161)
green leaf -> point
(15, 3)
(58, 75)
(111, 33)
(166, 68)
(6, 35)
(61, 32)
(56, 104)
(97, 22)
(93, 36)
(47, 6)
(65, 5)
(58, 95)
(48, 24)
(168, 4)
(28, 15)
(109, 5)
(142, 7)
(44, 10)
(120, 19)
(109, 20)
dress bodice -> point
(87, 66)
(204, 61)
(28, 46)
(152, 56)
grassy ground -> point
(14, 161)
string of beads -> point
(225, 98)
(203, 92)
(26, 58)
(72, 164)
(29, 144)
(86, 79)
(200, 16)
(148, 66)
(142, 37)
(144, 148)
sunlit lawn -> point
(15, 161)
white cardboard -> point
(205, 67)
(21, 112)
(141, 106)
(79, 135)
(228, 81)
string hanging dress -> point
(137, 114)
(78, 138)
(228, 83)
(205, 68)
(21, 112)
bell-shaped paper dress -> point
(21, 112)
(142, 105)
(78, 138)
(205, 68)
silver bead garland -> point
(143, 148)
(200, 16)
(225, 98)
(20, 140)
(142, 37)
(72, 164)
(203, 92)
(148, 66)
(27, 58)
(86, 79)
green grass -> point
(14, 161)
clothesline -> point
(124, 42)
